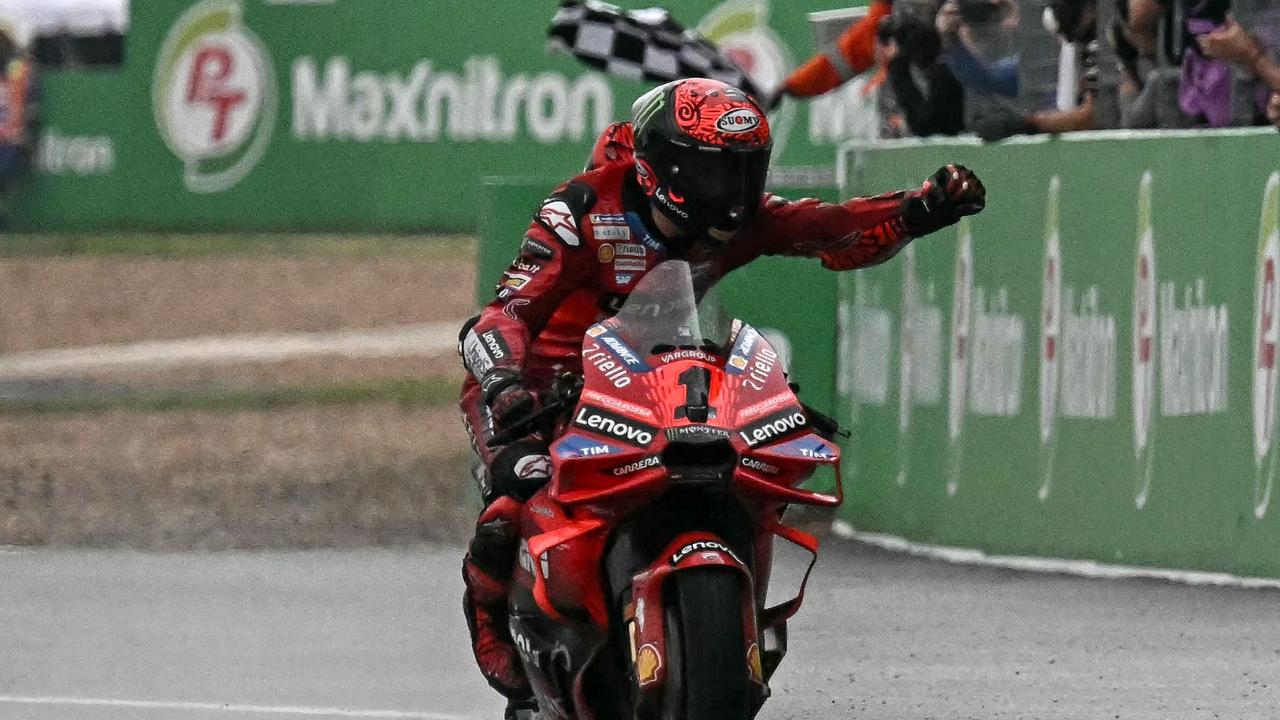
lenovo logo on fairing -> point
(774, 427)
(615, 426)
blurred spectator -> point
(1232, 43)
(927, 94)
(1074, 22)
(16, 109)
(978, 39)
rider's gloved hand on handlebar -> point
(508, 400)
(951, 193)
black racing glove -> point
(952, 193)
(508, 400)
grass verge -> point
(351, 247)
(406, 392)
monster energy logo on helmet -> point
(647, 107)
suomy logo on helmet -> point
(214, 96)
(736, 121)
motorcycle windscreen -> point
(666, 310)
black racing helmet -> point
(702, 153)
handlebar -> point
(563, 395)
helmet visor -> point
(723, 185)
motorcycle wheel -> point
(707, 679)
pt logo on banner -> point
(1266, 336)
(214, 96)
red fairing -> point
(607, 462)
(609, 467)
(581, 257)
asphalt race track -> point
(109, 635)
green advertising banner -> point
(367, 116)
(1086, 370)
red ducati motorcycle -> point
(640, 591)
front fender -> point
(645, 615)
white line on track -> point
(1059, 566)
(395, 341)
(230, 707)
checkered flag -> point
(643, 44)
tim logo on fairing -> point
(214, 96)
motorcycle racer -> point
(683, 180)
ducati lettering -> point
(603, 422)
(759, 466)
(524, 266)
(703, 546)
(774, 427)
(601, 360)
(637, 466)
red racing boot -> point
(486, 570)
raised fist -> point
(950, 194)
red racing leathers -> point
(590, 243)
(587, 246)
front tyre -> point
(708, 677)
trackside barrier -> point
(1088, 369)
(795, 296)
(245, 115)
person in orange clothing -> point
(856, 53)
